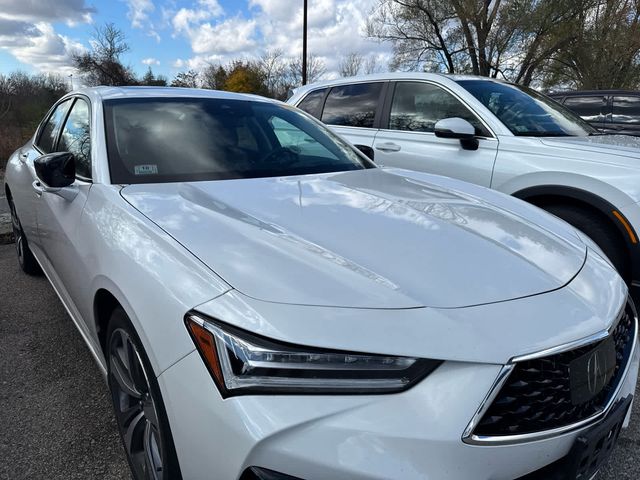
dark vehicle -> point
(611, 111)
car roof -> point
(109, 93)
(577, 93)
(390, 76)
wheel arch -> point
(104, 303)
(543, 195)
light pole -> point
(304, 44)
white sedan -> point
(265, 303)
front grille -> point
(537, 395)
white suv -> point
(498, 135)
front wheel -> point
(140, 413)
(600, 231)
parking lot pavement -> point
(56, 420)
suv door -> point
(592, 108)
(407, 138)
(625, 115)
(58, 216)
(353, 111)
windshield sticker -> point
(146, 169)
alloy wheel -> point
(136, 411)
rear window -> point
(352, 105)
(589, 108)
(152, 140)
(626, 109)
(312, 103)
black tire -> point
(27, 261)
(139, 409)
(600, 231)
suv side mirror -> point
(56, 170)
(459, 128)
(368, 151)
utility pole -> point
(304, 45)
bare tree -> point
(188, 79)
(316, 69)
(605, 50)
(512, 38)
(371, 65)
(102, 66)
(351, 64)
(274, 66)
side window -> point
(293, 138)
(589, 108)
(312, 103)
(75, 138)
(352, 105)
(417, 107)
(46, 139)
(626, 110)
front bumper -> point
(411, 435)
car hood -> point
(366, 239)
(605, 145)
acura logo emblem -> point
(596, 371)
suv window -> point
(626, 110)
(75, 138)
(48, 134)
(352, 105)
(418, 106)
(312, 103)
(589, 108)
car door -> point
(625, 115)
(353, 111)
(592, 108)
(407, 138)
(59, 214)
(24, 198)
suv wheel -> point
(600, 231)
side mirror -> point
(457, 128)
(368, 151)
(56, 170)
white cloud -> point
(335, 29)
(46, 50)
(139, 12)
(69, 11)
(187, 18)
(27, 33)
(150, 61)
(230, 36)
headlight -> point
(244, 363)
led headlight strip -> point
(243, 363)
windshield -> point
(151, 140)
(526, 112)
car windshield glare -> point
(154, 140)
(526, 112)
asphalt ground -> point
(56, 420)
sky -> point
(175, 35)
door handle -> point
(37, 187)
(388, 147)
